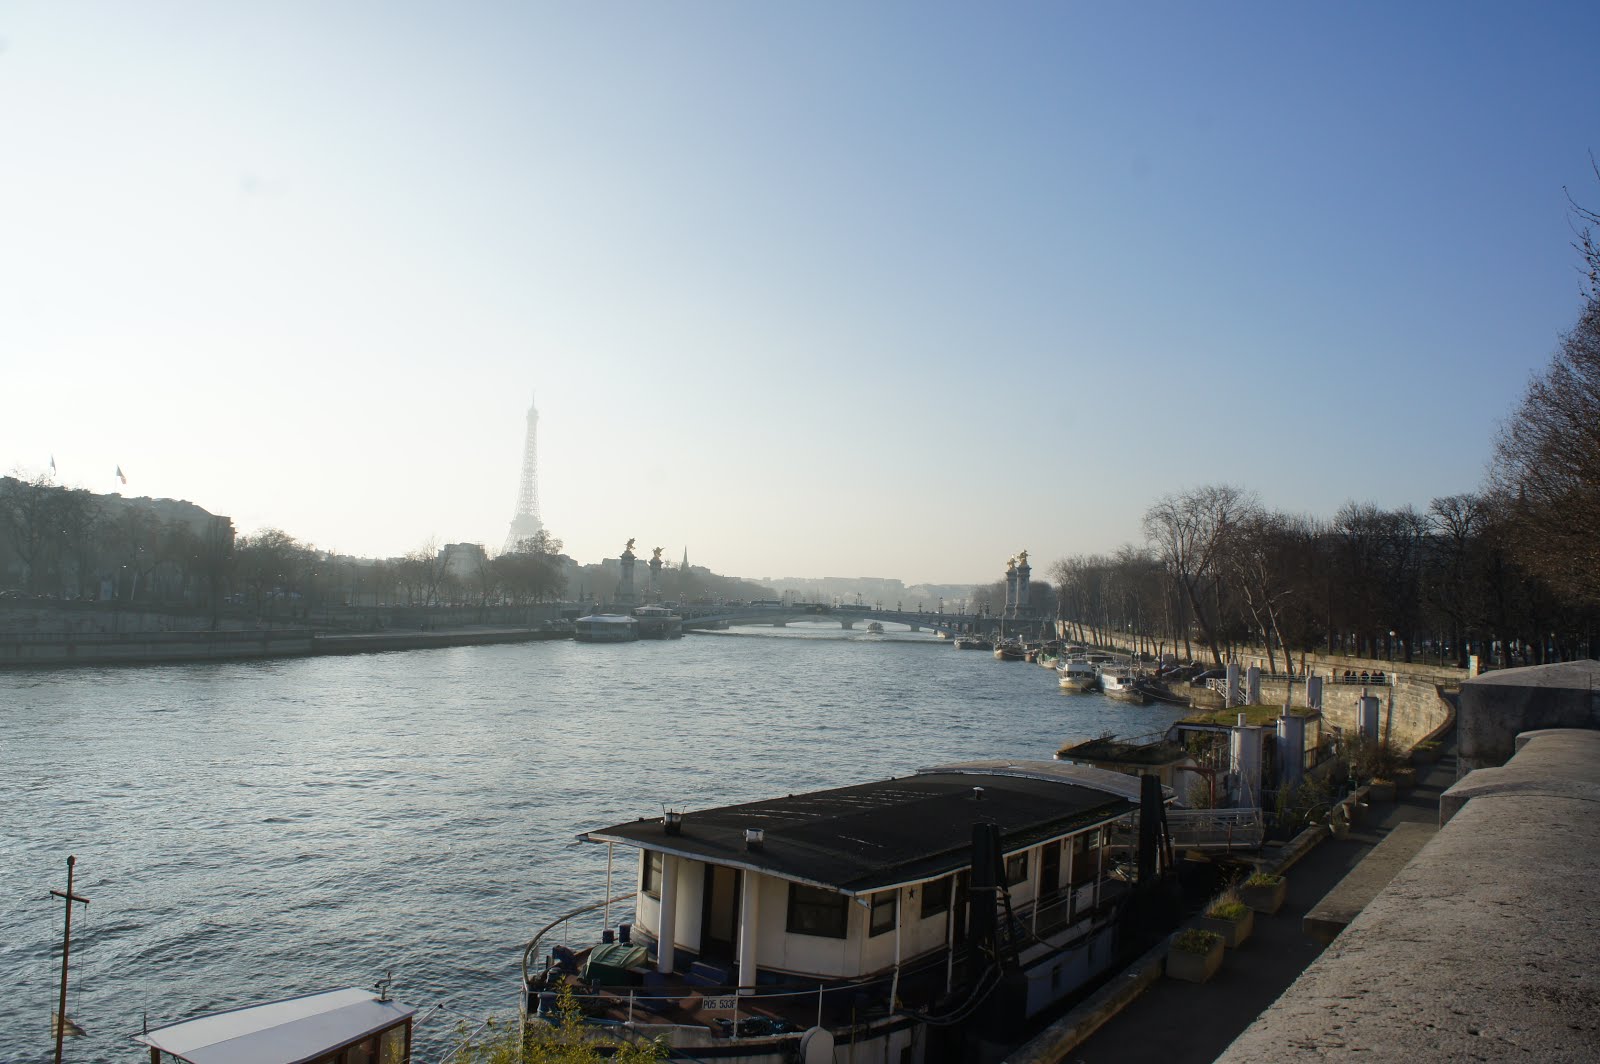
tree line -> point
(73, 545)
(1510, 573)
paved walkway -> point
(1183, 1023)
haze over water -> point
(253, 831)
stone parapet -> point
(1481, 948)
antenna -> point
(382, 985)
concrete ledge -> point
(1552, 762)
(1365, 881)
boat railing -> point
(784, 1008)
(564, 922)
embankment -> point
(150, 648)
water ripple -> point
(255, 830)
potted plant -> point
(1230, 918)
(1425, 753)
(1381, 790)
(1264, 892)
(1404, 779)
(1194, 955)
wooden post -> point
(66, 949)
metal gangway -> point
(1222, 830)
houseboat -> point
(658, 622)
(1010, 650)
(1122, 683)
(869, 922)
(1078, 675)
(335, 1025)
(606, 628)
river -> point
(255, 830)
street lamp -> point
(1391, 646)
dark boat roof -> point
(897, 831)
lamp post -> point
(1391, 646)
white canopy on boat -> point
(280, 1032)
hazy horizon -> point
(896, 290)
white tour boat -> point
(605, 628)
(882, 921)
(1078, 675)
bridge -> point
(780, 615)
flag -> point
(121, 476)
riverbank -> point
(69, 649)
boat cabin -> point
(334, 1027)
(866, 898)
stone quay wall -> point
(1411, 708)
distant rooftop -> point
(1110, 750)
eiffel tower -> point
(526, 521)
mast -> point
(66, 949)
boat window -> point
(1016, 868)
(363, 1052)
(814, 911)
(935, 897)
(393, 1046)
(652, 874)
(885, 910)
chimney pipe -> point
(672, 823)
(977, 794)
(754, 838)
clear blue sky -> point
(823, 289)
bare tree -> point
(29, 522)
(1189, 532)
(1588, 246)
(1546, 467)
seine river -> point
(253, 831)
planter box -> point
(1381, 792)
(1233, 932)
(1404, 780)
(1265, 899)
(1194, 967)
(1424, 755)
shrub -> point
(567, 1041)
(1263, 879)
(1195, 940)
(1370, 759)
(1227, 906)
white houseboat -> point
(1078, 675)
(1122, 683)
(605, 628)
(860, 923)
(333, 1027)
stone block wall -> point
(1415, 712)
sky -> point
(832, 289)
